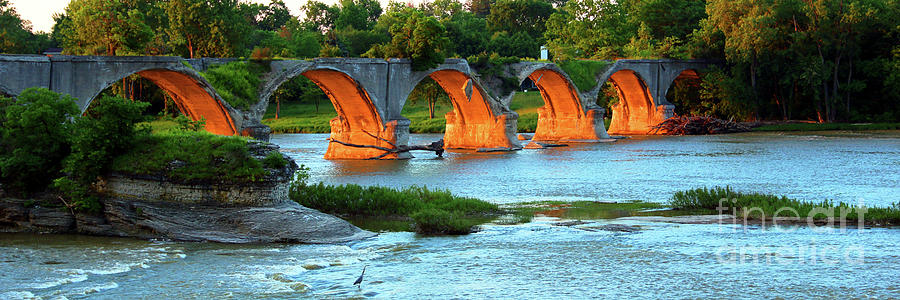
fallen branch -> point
(437, 147)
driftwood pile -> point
(686, 125)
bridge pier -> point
(364, 142)
(491, 133)
(572, 128)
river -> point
(540, 259)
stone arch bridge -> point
(369, 94)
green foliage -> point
(519, 44)
(724, 96)
(186, 124)
(520, 16)
(760, 206)
(15, 33)
(274, 160)
(201, 28)
(34, 131)
(584, 73)
(436, 221)
(105, 131)
(438, 211)
(354, 199)
(237, 82)
(468, 34)
(431, 92)
(101, 27)
(358, 14)
(193, 157)
(416, 36)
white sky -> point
(40, 12)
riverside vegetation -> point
(764, 207)
(50, 150)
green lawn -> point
(303, 118)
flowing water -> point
(540, 259)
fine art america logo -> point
(791, 238)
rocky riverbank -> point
(154, 207)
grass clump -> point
(828, 126)
(192, 157)
(583, 72)
(237, 82)
(766, 206)
(432, 211)
(441, 221)
(274, 160)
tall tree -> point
(513, 16)
(359, 14)
(15, 33)
(414, 35)
(207, 28)
(319, 16)
(103, 27)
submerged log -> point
(437, 147)
(695, 125)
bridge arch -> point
(192, 94)
(565, 116)
(687, 77)
(359, 120)
(635, 112)
(478, 120)
(6, 92)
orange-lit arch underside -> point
(562, 118)
(635, 113)
(472, 124)
(357, 122)
(193, 100)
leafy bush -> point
(438, 221)
(33, 138)
(104, 132)
(186, 124)
(237, 82)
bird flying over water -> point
(359, 280)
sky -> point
(40, 12)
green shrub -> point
(97, 138)
(237, 82)
(274, 160)
(34, 133)
(186, 124)
(583, 72)
(438, 221)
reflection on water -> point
(840, 166)
(540, 259)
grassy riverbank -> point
(297, 117)
(828, 127)
(765, 207)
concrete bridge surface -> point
(369, 94)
